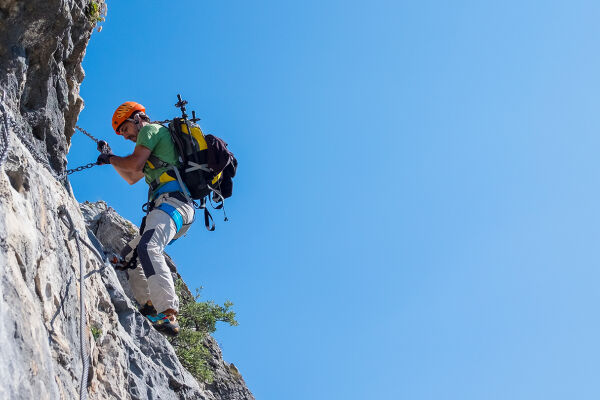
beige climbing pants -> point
(169, 219)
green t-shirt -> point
(157, 139)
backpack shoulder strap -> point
(157, 162)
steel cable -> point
(4, 151)
(74, 234)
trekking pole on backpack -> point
(193, 146)
(181, 105)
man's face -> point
(129, 131)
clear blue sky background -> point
(416, 212)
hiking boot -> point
(147, 310)
(163, 324)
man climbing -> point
(169, 213)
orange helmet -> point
(125, 111)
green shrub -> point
(96, 332)
(197, 320)
(94, 12)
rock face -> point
(112, 231)
(42, 44)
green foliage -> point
(197, 320)
(94, 12)
(96, 332)
(193, 354)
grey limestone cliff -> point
(112, 231)
(42, 44)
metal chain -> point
(86, 133)
(33, 151)
(81, 168)
(78, 169)
(47, 164)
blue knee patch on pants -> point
(173, 213)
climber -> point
(169, 214)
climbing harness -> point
(174, 214)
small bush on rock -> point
(196, 320)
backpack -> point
(206, 165)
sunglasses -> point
(121, 130)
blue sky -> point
(416, 209)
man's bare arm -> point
(131, 167)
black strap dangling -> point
(210, 225)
